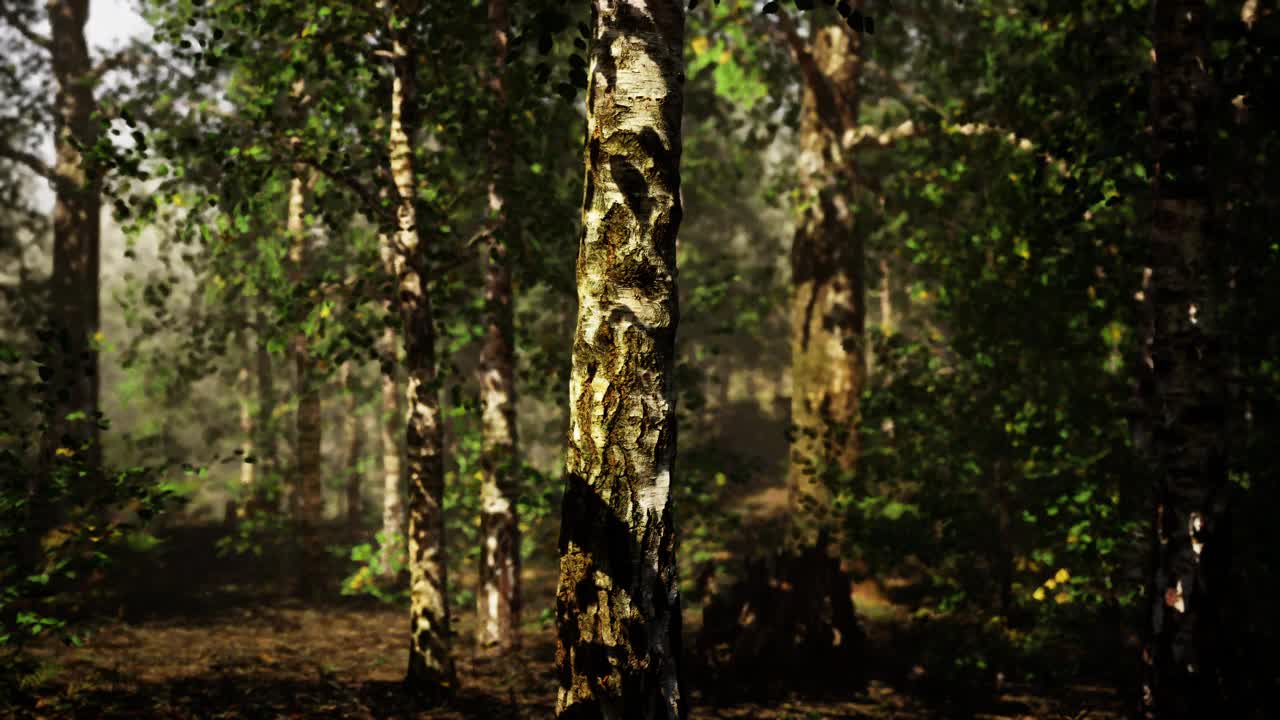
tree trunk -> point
(431, 673)
(886, 298)
(248, 432)
(307, 487)
(498, 602)
(1183, 659)
(266, 498)
(828, 360)
(355, 447)
(618, 641)
(393, 538)
(73, 386)
(789, 621)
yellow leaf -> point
(1062, 598)
(1038, 594)
(64, 452)
(177, 199)
(699, 44)
(1062, 575)
(325, 312)
(98, 337)
(725, 57)
(1050, 584)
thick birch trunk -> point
(498, 601)
(828, 359)
(73, 387)
(307, 488)
(618, 642)
(1183, 660)
(431, 673)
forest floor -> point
(187, 635)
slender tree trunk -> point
(431, 673)
(392, 480)
(498, 602)
(618, 642)
(73, 387)
(355, 448)
(307, 487)
(248, 432)
(1183, 659)
(886, 297)
(266, 439)
(828, 359)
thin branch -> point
(799, 50)
(114, 61)
(869, 136)
(32, 162)
(40, 40)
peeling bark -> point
(498, 601)
(1183, 385)
(74, 314)
(308, 498)
(618, 642)
(828, 359)
(431, 674)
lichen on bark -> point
(617, 603)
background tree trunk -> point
(828, 360)
(73, 386)
(393, 537)
(431, 673)
(355, 447)
(308, 491)
(248, 432)
(266, 498)
(1183, 668)
(618, 643)
(498, 602)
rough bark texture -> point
(355, 447)
(828, 361)
(431, 672)
(1183, 659)
(498, 601)
(308, 502)
(393, 537)
(76, 238)
(618, 643)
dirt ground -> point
(187, 635)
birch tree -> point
(618, 642)
(431, 672)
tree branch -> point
(124, 56)
(32, 162)
(36, 38)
